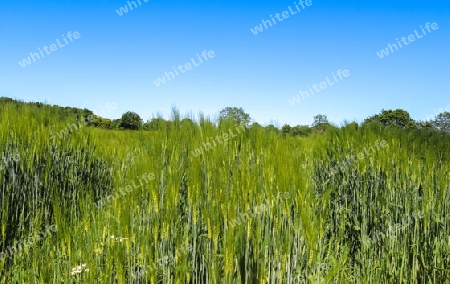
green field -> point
(356, 204)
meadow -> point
(259, 208)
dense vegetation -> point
(358, 204)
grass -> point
(176, 228)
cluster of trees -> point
(132, 121)
(320, 124)
(387, 118)
(238, 115)
(401, 119)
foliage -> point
(187, 122)
(238, 115)
(442, 122)
(131, 120)
(429, 125)
(156, 124)
(286, 129)
(100, 122)
(320, 120)
(272, 128)
(320, 123)
(300, 130)
(256, 125)
(115, 123)
(397, 118)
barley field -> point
(350, 205)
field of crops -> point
(351, 205)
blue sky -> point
(118, 58)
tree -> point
(425, 125)
(101, 122)
(115, 123)
(442, 122)
(320, 123)
(300, 130)
(4, 100)
(187, 122)
(236, 114)
(154, 124)
(131, 120)
(397, 118)
(320, 119)
(271, 128)
(286, 129)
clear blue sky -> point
(117, 58)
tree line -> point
(132, 121)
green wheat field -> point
(355, 204)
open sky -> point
(117, 58)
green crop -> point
(258, 208)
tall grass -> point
(178, 226)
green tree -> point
(286, 129)
(320, 119)
(4, 100)
(300, 130)
(155, 124)
(131, 120)
(115, 123)
(425, 125)
(98, 121)
(442, 122)
(256, 125)
(272, 128)
(320, 123)
(397, 118)
(187, 122)
(236, 114)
